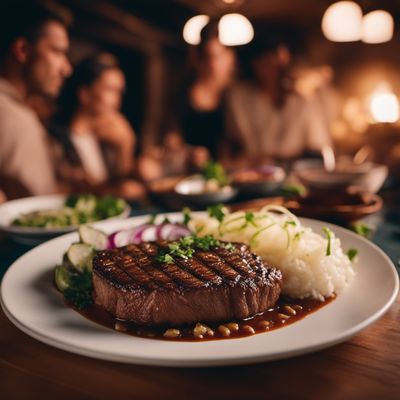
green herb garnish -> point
(216, 211)
(206, 242)
(287, 223)
(362, 229)
(297, 236)
(165, 258)
(249, 218)
(187, 215)
(79, 291)
(77, 210)
(184, 248)
(352, 254)
(329, 235)
(214, 170)
(152, 219)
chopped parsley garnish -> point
(185, 247)
(329, 235)
(362, 229)
(352, 254)
(79, 291)
(298, 235)
(249, 218)
(214, 170)
(187, 216)
(165, 258)
(216, 211)
(287, 223)
(152, 219)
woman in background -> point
(271, 121)
(202, 108)
(197, 129)
(97, 140)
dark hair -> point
(26, 19)
(268, 42)
(208, 33)
(85, 74)
(262, 45)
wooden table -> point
(366, 367)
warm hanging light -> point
(235, 30)
(384, 105)
(342, 22)
(193, 27)
(377, 27)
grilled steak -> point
(213, 285)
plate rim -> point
(222, 360)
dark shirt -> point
(203, 128)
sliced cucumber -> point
(93, 237)
(62, 277)
(80, 256)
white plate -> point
(27, 235)
(32, 303)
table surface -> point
(365, 367)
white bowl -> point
(194, 190)
(32, 236)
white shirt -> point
(24, 149)
(90, 154)
(266, 130)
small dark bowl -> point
(161, 192)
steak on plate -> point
(215, 285)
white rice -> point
(281, 241)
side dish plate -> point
(32, 236)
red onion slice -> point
(147, 233)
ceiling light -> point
(342, 22)
(377, 27)
(384, 105)
(235, 30)
(193, 27)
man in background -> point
(33, 60)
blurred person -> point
(315, 85)
(33, 61)
(198, 127)
(97, 141)
(202, 118)
(266, 115)
(3, 197)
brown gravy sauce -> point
(286, 312)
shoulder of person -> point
(17, 118)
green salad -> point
(78, 209)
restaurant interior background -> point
(340, 68)
(146, 35)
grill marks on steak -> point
(212, 285)
(135, 265)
